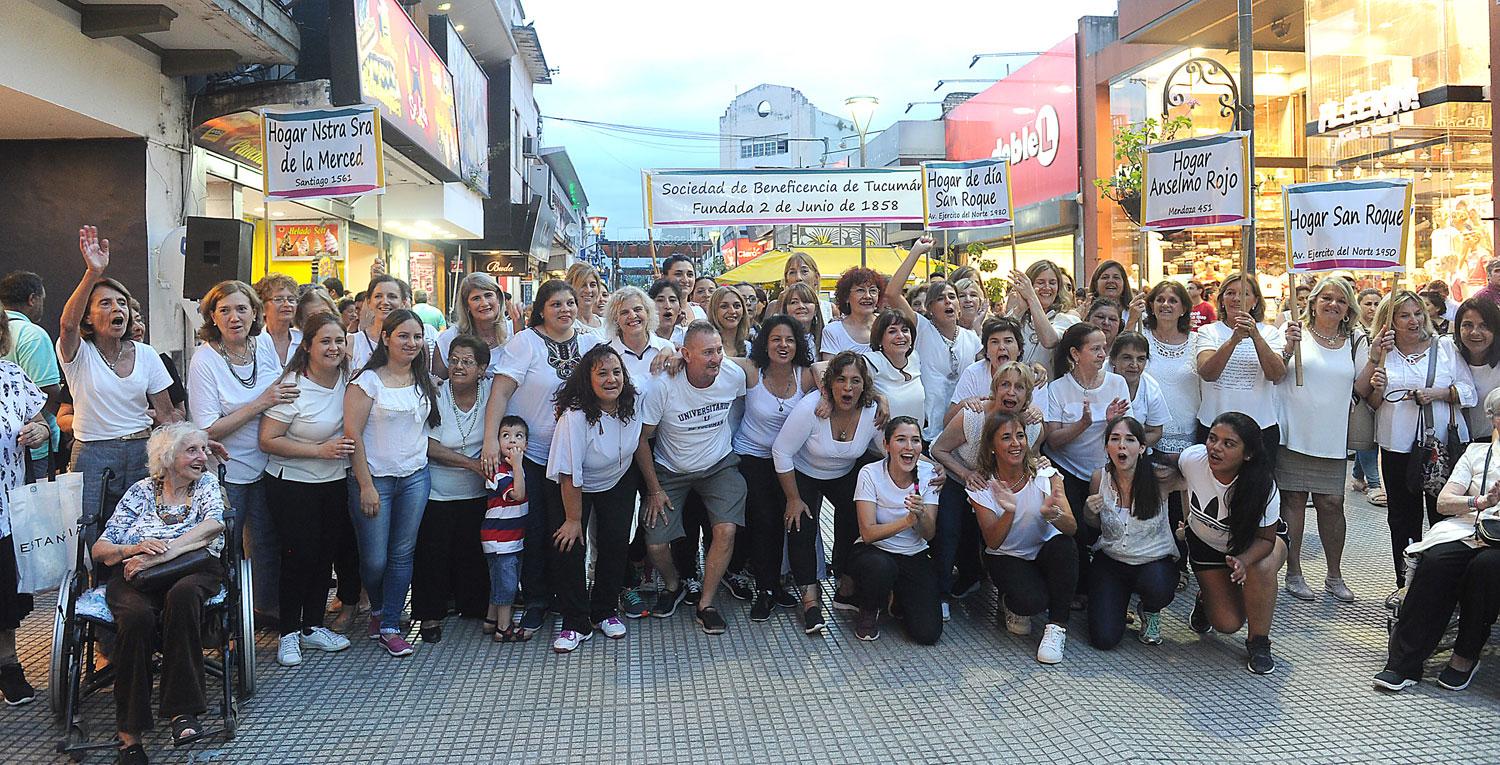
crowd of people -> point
(604, 456)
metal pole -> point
(1247, 122)
(862, 226)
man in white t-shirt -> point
(689, 415)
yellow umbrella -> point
(832, 261)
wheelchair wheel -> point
(244, 653)
(66, 650)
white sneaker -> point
(613, 628)
(325, 639)
(947, 611)
(1054, 640)
(1016, 624)
(289, 652)
(568, 641)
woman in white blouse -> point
(449, 564)
(1314, 430)
(592, 452)
(1240, 359)
(388, 408)
(1044, 310)
(1476, 324)
(726, 311)
(857, 295)
(307, 493)
(386, 293)
(590, 290)
(897, 375)
(278, 296)
(668, 300)
(800, 302)
(1001, 339)
(1172, 364)
(820, 457)
(232, 380)
(482, 314)
(944, 345)
(1409, 379)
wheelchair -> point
(82, 622)
(1397, 599)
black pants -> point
(957, 539)
(1111, 583)
(765, 508)
(878, 574)
(303, 516)
(1175, 517)
(802, 543)
(1077, 491)
(179, 609)
(581, 606)
(345, 558)
(1450, 574)
(1047, 583)
(449, 563)
(541, 496)
(1403, 509)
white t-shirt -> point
(904, 397)
(361, 347)
(836, 339)
(579, 325)
(445, 344)
(264, 338)
(1029, 530)
(974, 381)
(941, 364)
(395, 437)
(1149, 406)
(596, 456)
(764, 415)
(875, 485)
(638, 367)
(1242, 385)
(215, 392)
(807, 443)
(1313, 416)
(316, 416)
(1175, 370)
(1032, 351)
(1208, 505)
(693, 428)
(539, 367)
(1396, 421)
(105, 405)
(1062, 403)
(463, 432)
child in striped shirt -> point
(503, 531)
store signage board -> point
(471, 100)
(974, 194)
(323, 153)
(1365, 105)
(1196, 182)
(1358, 225)
(772, 197)
(305, 241)
(399, 71)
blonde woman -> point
(590, 288)
(726, 311)
(482, 313)
(800, 268)
(1043, 305)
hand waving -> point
(95, 250)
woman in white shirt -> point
(278, 296)
(481, 314)
(1042, 306)
(386, 293)
(1026, 522)
(668, 300)
(388, 408)
(944, 345)
(1453, 572)
(800, 302)
(1173, 365)
(857, 296)
(1111, 281)
(726, 311)
(1129, 355)
(1001, 340)
(590, 290)
(1135, 552)
(1240, 359)
(896, 504)
(897, 376)
(1410, 378)
(1236, 539)
(538, 360)
(592, 451)
(1313, 455)
(307, 492)
(817, 458)
(232, 379)
(1475, 326)
(800, 268)
(448, 565)
(116, 382)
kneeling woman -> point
(1027, 526)
(1135, 554)
(1236, 539)
(175, 511)
(897, 507)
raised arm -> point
(95, 261)
(895, 288)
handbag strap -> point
(1425, 411)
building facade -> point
(777, 126)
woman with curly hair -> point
(858, 297)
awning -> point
(832, 261)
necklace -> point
(1168, 350)
(1326, 340)
(118, 353)
(170, 518)
(246, 382)
(781, 403)
(1015, 485)
(461, 418)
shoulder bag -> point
(1432, 458)
(1361, 433)
(1487, 522)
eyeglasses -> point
(463, 364)
(1399, 394)
(283, 300)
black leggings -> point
(765, 511)
(878, 574)
(1077, 491)
(1027, 587)
(802, 543)
(449, 561)
(1450, 574)
(1403, 509)
(304, 517)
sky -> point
(675, 64)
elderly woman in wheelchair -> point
(164, 541)
(1457, 568)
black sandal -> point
(490, 627)
(433, 634)
(135, 754)
(181, 724)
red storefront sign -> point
(1031, 118)
(739, 251)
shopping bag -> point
(44, 529)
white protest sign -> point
(1196, 182)
(971, 194)
(768, 197)
(323, 153)
(1358, 225)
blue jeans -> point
(956, 539)
(260, 544)
(388, 542)
(126, 458)
(505, 574)
(1367, 466)
(1111, 583)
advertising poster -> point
(306, 241)
(1357, 225)
(471, 94)
(971, 194)
(768, 197)
(399, 71)
(423, 272)
(1196, 182)
(323, 153)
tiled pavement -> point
(765, 693)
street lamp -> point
(713, 241)
(862, 109)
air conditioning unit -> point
(528, 146)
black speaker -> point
(217, 249)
